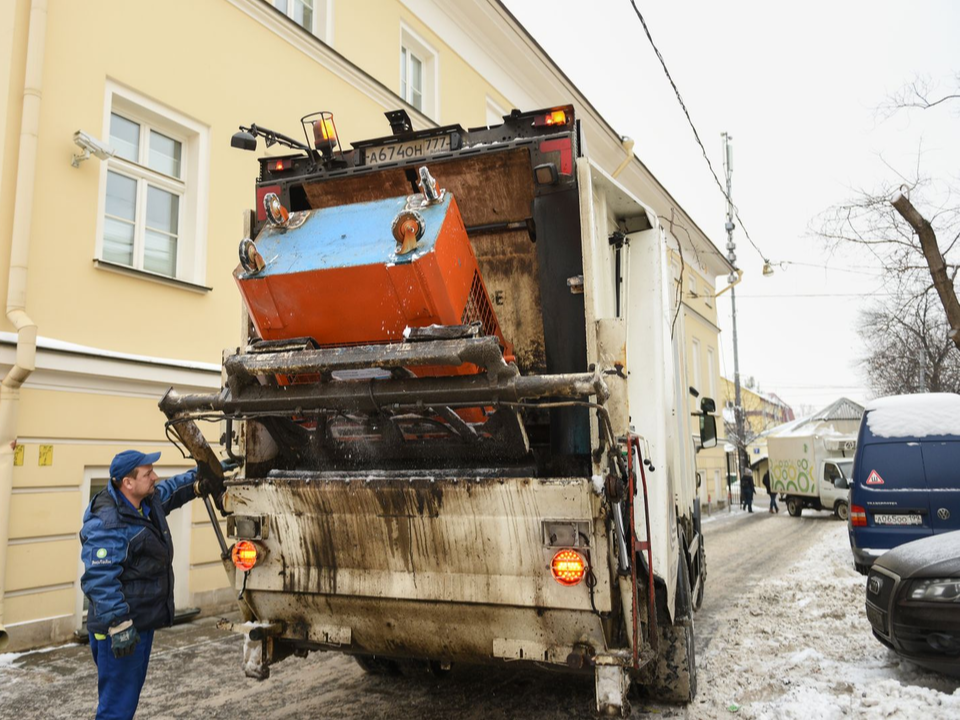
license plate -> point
(905, 519)
(408, 150)
(877, 619)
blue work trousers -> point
(119, 680)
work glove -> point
(123, 639)
(209, 482)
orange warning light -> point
(324, 132)
(244, 555)
(568, 567)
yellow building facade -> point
(697, 324)
(120, 266)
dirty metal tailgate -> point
(462, 540)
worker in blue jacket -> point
(127, 554)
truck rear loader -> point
(457, 415)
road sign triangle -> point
(874, 478)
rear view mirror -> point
(708, 430)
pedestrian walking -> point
(747, 488)
(773, 496)
(127, 555)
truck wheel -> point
(842, 510)
(794, 506)
(373, 665)
(674, 671)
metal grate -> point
(478, 308)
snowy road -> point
(782, 634)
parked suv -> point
(906, 477)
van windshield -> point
(846, 467)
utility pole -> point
(732, 257)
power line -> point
(683, 106)
(788, 296)
(872, 273)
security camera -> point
(90, 144)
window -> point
(411, 78)
(153, 200)
(692, 286)
(141, 224)
(711, 364)
(695, 377)
(314, 16)
(418, 73)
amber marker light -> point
(557, 117)
(568, 567)
(244, 555)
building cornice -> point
(66, 367)
(317, 50)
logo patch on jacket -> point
(101, 557)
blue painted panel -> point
(345, 236)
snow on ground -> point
(797, 645)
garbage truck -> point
(456, 410)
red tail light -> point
(568, 567)
(858, 516)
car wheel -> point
(794, 506)
(698, 600)
(842, 510)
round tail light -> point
(244, 555)
(568, 567)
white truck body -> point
(812, 470)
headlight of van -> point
(935, 590)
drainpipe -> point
(17, 280)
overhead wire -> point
(696, 134)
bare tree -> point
(911, 225)
(908, 347)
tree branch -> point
(938, 270)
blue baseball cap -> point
(124, 463)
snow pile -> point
(915, 415)
(11, 659)
(797, 646)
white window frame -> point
(192, 187)
(696, 374)
(430, 71)
(711, 375)
(322, 18)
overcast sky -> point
(797, 86)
